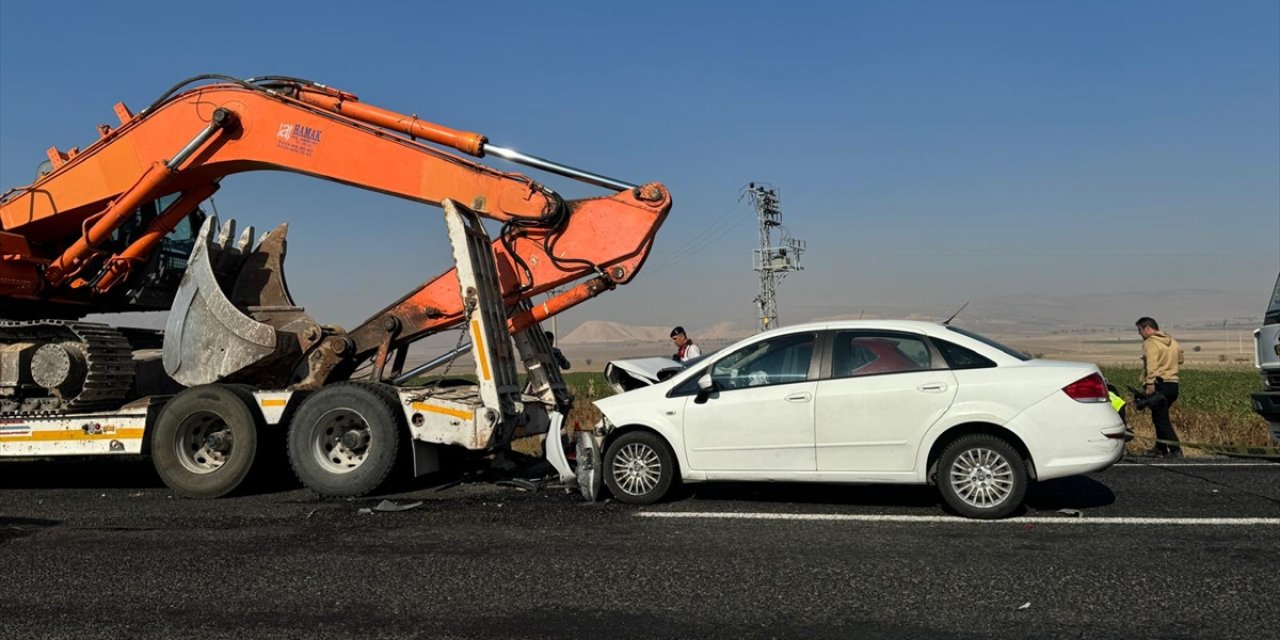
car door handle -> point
(933, 387)
(800, 397)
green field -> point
(1213, 406)
(1218, 392)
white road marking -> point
(844, 517)
(1196, 464)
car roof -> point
(909, 326)
(924, 327)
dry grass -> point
(1203, 427)
(1212, 407)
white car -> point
(881, 401)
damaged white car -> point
(859, 402)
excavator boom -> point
(86, 235)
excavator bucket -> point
(232, 313)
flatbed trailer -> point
(344, 438)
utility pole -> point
(1226, 348)
(554, 328)
(772, 261)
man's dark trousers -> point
(1160, 416)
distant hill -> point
(600, 332)
(998, 316)
(1001, 316)
(597, 332)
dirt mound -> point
(597, 332)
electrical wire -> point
(697, 240)
(702, 239)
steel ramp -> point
(486, 317)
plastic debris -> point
(1070, 513)
(1025, 606)
(387, 506)
(518, 483)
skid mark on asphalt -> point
(844, 517)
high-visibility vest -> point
(1117, 402)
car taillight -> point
(1091, 388)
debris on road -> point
(387, 506)
(518, 484)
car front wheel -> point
(639, 468)
(982, 476)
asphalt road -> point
(103, 550)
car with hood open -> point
(883, 401)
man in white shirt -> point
(685, 348)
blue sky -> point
(928, 152)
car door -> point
(882, 393)
(759, 417)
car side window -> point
(958, 357)
(688, 387)
(861, 353)
(778, 360)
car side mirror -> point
(705, 386)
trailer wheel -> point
(205, 440)
(345, 438)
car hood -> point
(625, 375)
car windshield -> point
(691, 362)
(991, 343)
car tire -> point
(639, 468)
(982, 476)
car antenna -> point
(953, 316)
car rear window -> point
(958, 357)
(991, 343)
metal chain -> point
(467, 310)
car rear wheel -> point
(982, 476)
(639, 468)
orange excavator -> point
(118, 226)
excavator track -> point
(107, 359)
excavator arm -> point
(59, 236)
